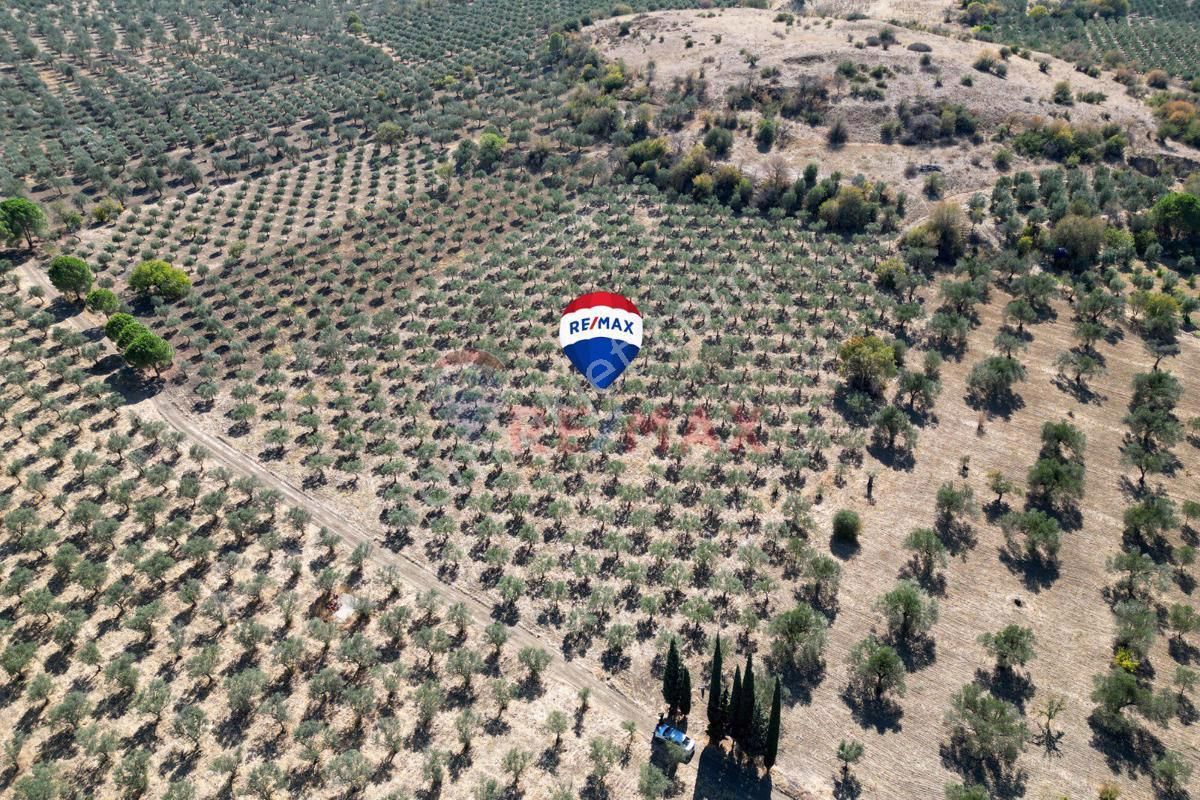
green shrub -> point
(847, 526)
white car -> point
(665, 733)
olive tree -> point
(799, 636)
(1011, 646)
(1032, 534)
(908, 610)
(986, 728)
(875, 669)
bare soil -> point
(815, 47)
(1069, 616)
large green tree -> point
(867, 363)
(890, 423)
(70, 274)
(1078, 239)
(875, 668)
(992, 379)
(677, 683)
(103, 300)
(1032, 534)
(158, 276)
(1118, 690)
(148, 350)
(1177, 215)
(743, 714)
(1011, 646)
(21, 219)
(909, 611)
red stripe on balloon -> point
(593, 299)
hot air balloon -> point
(601, 333)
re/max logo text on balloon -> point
(600, 324)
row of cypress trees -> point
(677, 684)
(737, 711)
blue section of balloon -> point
(601, 359)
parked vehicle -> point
(664, 733)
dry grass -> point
(1069, 616)
(814, 48)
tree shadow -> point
(429, 793)
(614, 661)
(133, 388)
(1131, 490)
(57, 663)
(1001, 779)
(995, 509)
(496, 726)
(180, 763)
(1186, 711)
(506, 612)
(800, 683)
(893, 457)
(846, 786)
(1007, 684)
(917, 652)
(458, 763)
(1079, 390)
(843, 549)
(62, 309)
(1127, 748)
(882, 714)
(1036, 574)
(232, 730)
(1002, 404)
(106, 365)
(958, 536)
(719, 774)
(1156, 546)
(1067, 513)
(1183, 652)
(58, 746)
(933, 582)
(549, 760)
(1049, 740)
(856, 407)
(531, 687)
(949, 349)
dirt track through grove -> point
(570, 673)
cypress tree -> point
(743, 731)
(772, 743)
(671, 679)
(758, 729)
(734, 712)
(685, 691)
(716, 725)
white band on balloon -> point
(614, 323)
